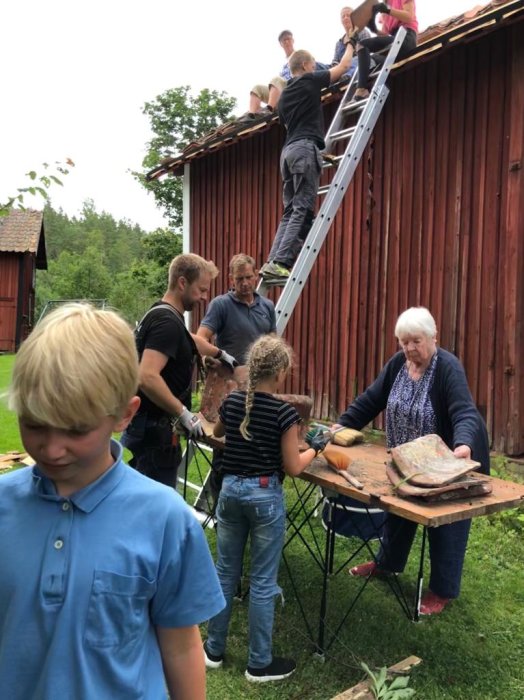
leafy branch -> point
(39, 184)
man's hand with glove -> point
(227, 360)
(382, 7)
(317, 439)
(191, 423)
(351, 38)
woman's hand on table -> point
(462, 451)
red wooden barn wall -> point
(434, 216)
(17, 296)
(9, 270)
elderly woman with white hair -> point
(423, 390)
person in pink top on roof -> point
(396, 14)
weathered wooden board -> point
(362, 691)
(363, 14)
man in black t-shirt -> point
(300, 111)
(167, 354)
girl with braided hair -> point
(261, 446)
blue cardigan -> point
(458, 420)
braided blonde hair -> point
(266, 357)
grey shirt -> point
(236, 324)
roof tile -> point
(20, 231)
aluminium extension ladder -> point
(347, 163)
(357, 136)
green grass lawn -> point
(473, 651)
(9, 436)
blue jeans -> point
(300, 165)
(245, 508)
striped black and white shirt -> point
(269, 418)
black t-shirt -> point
(164, 332)
(269, 418)
(300, 108)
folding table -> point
(368, 465)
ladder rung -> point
(344, 134)
(323, 190)
(355, 106)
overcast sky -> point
(76, 75)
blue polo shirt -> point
(236, 324)
(85, 580)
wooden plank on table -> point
(361, 691)
(505, 494)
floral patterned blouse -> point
(409, 412)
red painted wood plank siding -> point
(434, 216)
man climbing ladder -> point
(301, 160)
(357, 136)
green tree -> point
(136, 289)
(96, 257)
(160, 247)
(80, 276)
(177, 118)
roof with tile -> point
(437, 37)
(20, 231)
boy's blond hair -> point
(296, 61)
(190, 266)
(78, 365)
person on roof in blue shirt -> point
(105, 573)
(340, 46)
(269, 94)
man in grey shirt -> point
(236, 320)
(240, 316)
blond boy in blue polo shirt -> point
(105, 574)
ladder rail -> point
(338, 120)
(313, 243)
(370, 111)
(381, 78)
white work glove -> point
(191, 423)
(227, 360)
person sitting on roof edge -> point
(270, 94)
(399, 13)
(340, 46)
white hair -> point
(416, 319)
